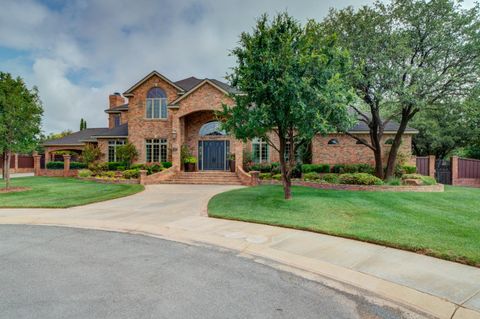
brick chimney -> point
(116, 99)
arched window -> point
(211, 128)
(156, 105)
(389, 141)
(362, 142)
(333, 141)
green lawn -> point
(444, 225)
(59, 192)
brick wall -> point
(141, 128)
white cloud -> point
(87, 49)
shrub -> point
(330, 178)
(261, 167)
(108, 174)
(356, 168)
(131, 173)
(409, 169)
(277, 177)
(275, 168)
(412, 176)
(190, 160)
(127, 153)
(359, 179)
(337, 168)
(90, 154)
(98, 168)
(394, 181)
(265, 176)
(115, 166)
(55, 165)
(312, 176)
(167, 164)
(85, 173)
(77, 165)
(317, 168)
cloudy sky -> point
(78, 52)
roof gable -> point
(199, 85)
(129, 92)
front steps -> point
(204, 177)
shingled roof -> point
(89, 135)
(391, 126)
(191, 82)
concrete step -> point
(195, 182)
(205, 177)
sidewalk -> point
(440, 288)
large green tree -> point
(20, 118)
(408, 55)
(292, 83)
(444, 129)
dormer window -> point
(156, 105)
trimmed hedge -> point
(55, 165)
(311, 176)
(167, 164)
(131, 173)
(116, 166)
(330, 178)
(265, 176)
(359, 179)
(316, 168)
(77, 165)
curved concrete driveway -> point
(52, 272)
(177, 212)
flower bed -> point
(371, 188)
(111, 180)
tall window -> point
(116, 120)
(156, 150)
(156, 104)
(260, 150)
(112, 149)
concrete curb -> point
(403, 295)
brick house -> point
(161, 115)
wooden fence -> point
(425, 165)
(465, 171)
(19, 163)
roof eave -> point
(196, 87)
(128, 93)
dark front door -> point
(213, 155)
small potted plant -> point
(189, 163)
(231, 162)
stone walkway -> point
(178, 212)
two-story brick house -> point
(161, 115)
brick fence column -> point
(454, 167)
(431, 165)
(66, 165)
(36, 164)
(255, 178)
(143, 177)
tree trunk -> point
(376, 133)
(2, 158)
(392, 155)
(6, 171)
(286, 172)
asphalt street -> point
(55, 272)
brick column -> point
(454, 168)
(66, 165)
(36, 164)
(176, 145)
(431, 165)
(143, 177)
(255, 180)
(238, 147)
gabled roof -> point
(153, 73)
(191, 82)
(362, 127)
(199, 85)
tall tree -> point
(20, 118)
(409, 55)
(292, 83)
(83, 124)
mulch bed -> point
(13, 189)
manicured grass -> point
(444, 225)
(58, 192)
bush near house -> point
(77, 165)
(59, 165)
(317, 168)
(312, 176)
(131, 173)
(359, 179)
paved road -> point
(53, 272)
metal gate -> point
(443, 171)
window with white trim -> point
(112, 149)
(156, 150)
(156, 105)
(260, 150)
